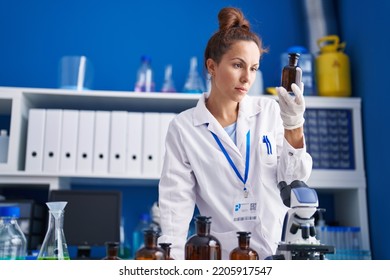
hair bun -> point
(232, 17)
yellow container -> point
(332, 68)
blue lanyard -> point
(248, 138)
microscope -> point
(299, 240)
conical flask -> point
(54, 245)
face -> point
(233, 76)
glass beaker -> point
(54, 245)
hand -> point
(292, 107)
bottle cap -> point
(9, 211)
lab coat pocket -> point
(267, 146)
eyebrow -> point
(243, 61)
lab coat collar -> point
(247, 109)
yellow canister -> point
(332, 68)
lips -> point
(241, 89)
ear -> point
(210, 66)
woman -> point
(227, 155)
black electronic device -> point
(91, 218)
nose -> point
(245, 74)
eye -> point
(237, 65)
(254, 69)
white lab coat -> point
(196, 171)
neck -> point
(225, 111)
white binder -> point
(165, 120)
(69, 134)
(35, 140)
(85, 141)
(118, 142)
(134, 143)
(102, 141)
(151, 140)
(52, 146)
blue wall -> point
(34, 35)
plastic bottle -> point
(167, 249)
(4, 142)
(291, 73)
(194, 82)
(13, 243)
(138, 233)
(243, 251)
(144, 81)
(169, 85)
(112, 250)
(333, 68)
(150, 251)
(202, 245)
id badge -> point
(245, 207)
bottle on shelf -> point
(54, 245)
(291, 73)
(150, 251)
(13, 243)
(203, 245)
(243, 251)
(169, 85)
(4, 142)
(194, 82)
(144, 82)
(167, 249)
(112, 251)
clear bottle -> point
(167, 249)
(194, 82)
(144, 81)
(150, 251)
(202, 245)
(4, 142)
(169, 85)
(13, 244)
(54, 245)
(243, 251)
(291, 73)
(138, 233)
(112, 251)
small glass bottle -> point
(167, 248)
(150, 251)
(202, 245)
(54, 246)
(291, 73)
(13, 242)
(112, 250)
(243, 251)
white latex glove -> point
(292, 107)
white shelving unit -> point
(347, 186)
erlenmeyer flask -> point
(54, 245)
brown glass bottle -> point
(167, 248)
(291, 73)
(150, 251)
(243, 251)
(112, 249)
(202, 245)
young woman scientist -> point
(232, 150)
